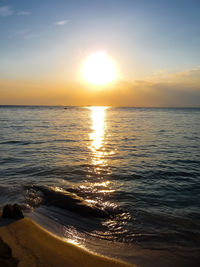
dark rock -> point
(72, 202)
(6, 258)
(12, 212)
(5, 250)
(17, 212)
(8, 212)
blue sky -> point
(42, 39)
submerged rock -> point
(12, 212)
(69, 201)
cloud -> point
(61, 22)
(186, 76)
(24, 33)
(6, 11)
(191, 75)
(180, 91)
(9, 11)
(18, 33)
(23, 13)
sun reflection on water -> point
(97, 189)
(97, 136)
(100, 152)
(98, 127)
(99, 145)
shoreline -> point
(33, 245)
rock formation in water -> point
(12, 212)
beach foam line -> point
(34, 246)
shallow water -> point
(120, 178)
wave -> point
(14, 142)
(54, 196)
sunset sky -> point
(154, 45)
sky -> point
(155, 45)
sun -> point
(99, 69)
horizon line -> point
(113, 106)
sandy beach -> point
(34, 246)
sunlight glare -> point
(99, 69)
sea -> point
(122, 182)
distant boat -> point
(65, 108)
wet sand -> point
(32, 245)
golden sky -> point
(154, 48)
(161, 89)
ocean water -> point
(122, 182)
